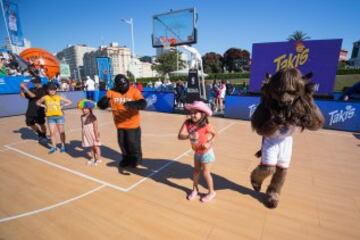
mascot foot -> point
(272, 200)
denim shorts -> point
(56, 120)
(207, 157)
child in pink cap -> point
(201, 135)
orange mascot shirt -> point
(124, 118)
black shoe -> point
(124, 164)
(133, 165)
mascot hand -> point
(258, 154)
(103, 103)
(139, 104)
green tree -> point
(298, 36)
(213, 62)
(167, 63)
(236, 60)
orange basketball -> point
(39, 57)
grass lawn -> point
(341, 81)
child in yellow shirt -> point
(54, 114)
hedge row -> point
(347, 71)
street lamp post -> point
(131, 23)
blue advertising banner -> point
(160, 101)
(341, 115)
(104, 70)
(344, 116)
(317, 56)
(13, 25)
(156, 101)
(19, 104)
(10, 85)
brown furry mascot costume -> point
(125, 102)
(286, 103)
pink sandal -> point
(208, 197)
(192, 195)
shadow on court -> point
(356, 135)
(26, 134)
(164, 170)
(75, 150)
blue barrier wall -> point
(14, 104)
(343, 116)
(156, 101)
(11, 85)
(159, 101)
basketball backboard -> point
(174, 28)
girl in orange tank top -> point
(201, 135)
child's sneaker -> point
(52, 150)
(192, 195)
(96, 162)
(62, 148)
(90, 162)
(208, 197)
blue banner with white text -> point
(13, 25)
(159, 101)
(344, 116)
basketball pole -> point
(196, 56)
(131, 23)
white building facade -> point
(120, 59)
(73, 55)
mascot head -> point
(287, 99)
(121, 84)
(285, 86)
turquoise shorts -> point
(56, 120)
(207, 157)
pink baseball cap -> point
(200, 106)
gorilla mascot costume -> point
(125, 102)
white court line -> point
(104, 184)
(169, 163)
(157, 170)
(67, 169)
(6, 219)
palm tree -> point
(298, 36)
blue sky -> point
(52, 24)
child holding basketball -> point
(201, 135)
(55, 116)
(90, 130)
